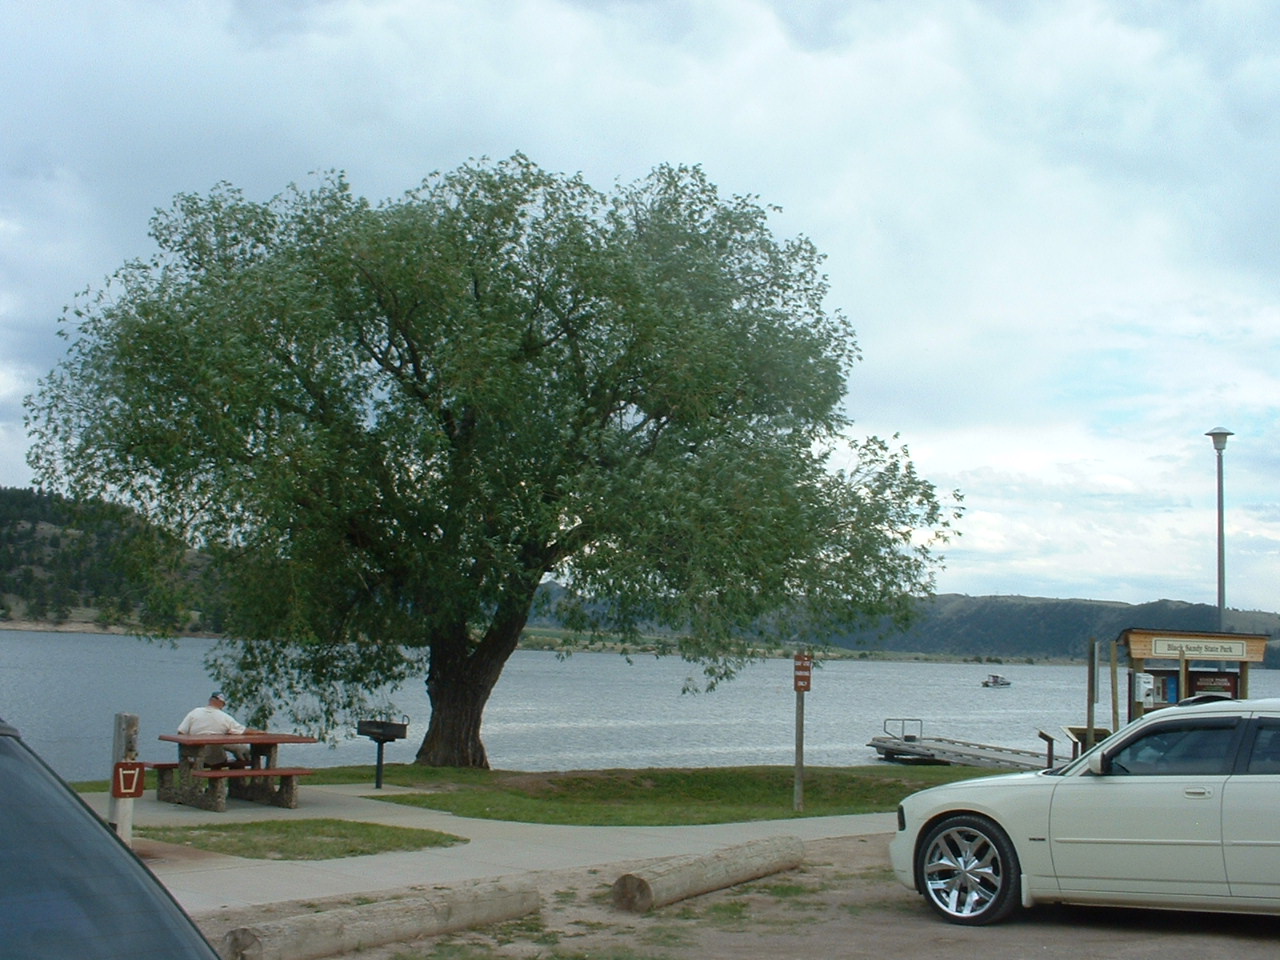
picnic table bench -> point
(195, 781)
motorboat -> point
(996, 680)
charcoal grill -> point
(383, 732)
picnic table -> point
(196, 781)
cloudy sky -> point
(1054, 224)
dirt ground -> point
(842, 903)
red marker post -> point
(803, 681)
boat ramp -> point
(904, 741)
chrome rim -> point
(962, 872)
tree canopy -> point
(389, 423)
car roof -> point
(1223, 705)
(69, 885)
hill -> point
(1004, 627)
(68, 564)
(72, 564)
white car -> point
(1178, 810)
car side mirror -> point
(1098, 764)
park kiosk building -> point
(1166, 666)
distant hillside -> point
(52, 562)
(72, 564)
(1006, 627)
(961, 627)
(68, 564)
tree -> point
(390, 424)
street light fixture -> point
(1219, 437)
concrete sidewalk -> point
(203, 882)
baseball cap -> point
(218, 695)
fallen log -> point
(680, 877)
(349, 929)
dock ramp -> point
(904, 741)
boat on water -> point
(996, 680)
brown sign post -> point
(803, 681)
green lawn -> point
(662, 796)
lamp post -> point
(1219, 437)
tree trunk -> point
(459, 683)
(457, 707)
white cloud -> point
(1052, 224)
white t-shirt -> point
(208, 722)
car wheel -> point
(967, 870)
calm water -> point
(592, 711)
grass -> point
(728, 912)
(662, 797)
(785, 890)
(299, 839)
(643, 797)
(402, 774)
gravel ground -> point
(843, 903)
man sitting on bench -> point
(212, 721)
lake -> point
(590, 711)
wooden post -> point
(798, 793)
(1115, 686)
(124, 746)
(1091, 692)
(803, 679)
(1049, 746)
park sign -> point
(1180, 645)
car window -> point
(1264, 757)
(69, 887)
(1187, 747)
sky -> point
(1053, 223)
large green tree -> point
(389, 424)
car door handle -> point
(1197, 793)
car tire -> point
(967, 869)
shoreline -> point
(535, 644)
(87, 627)
(66, 626)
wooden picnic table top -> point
(261, 737)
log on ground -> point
(681, 877)
(347, 930)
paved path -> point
(202, 881)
